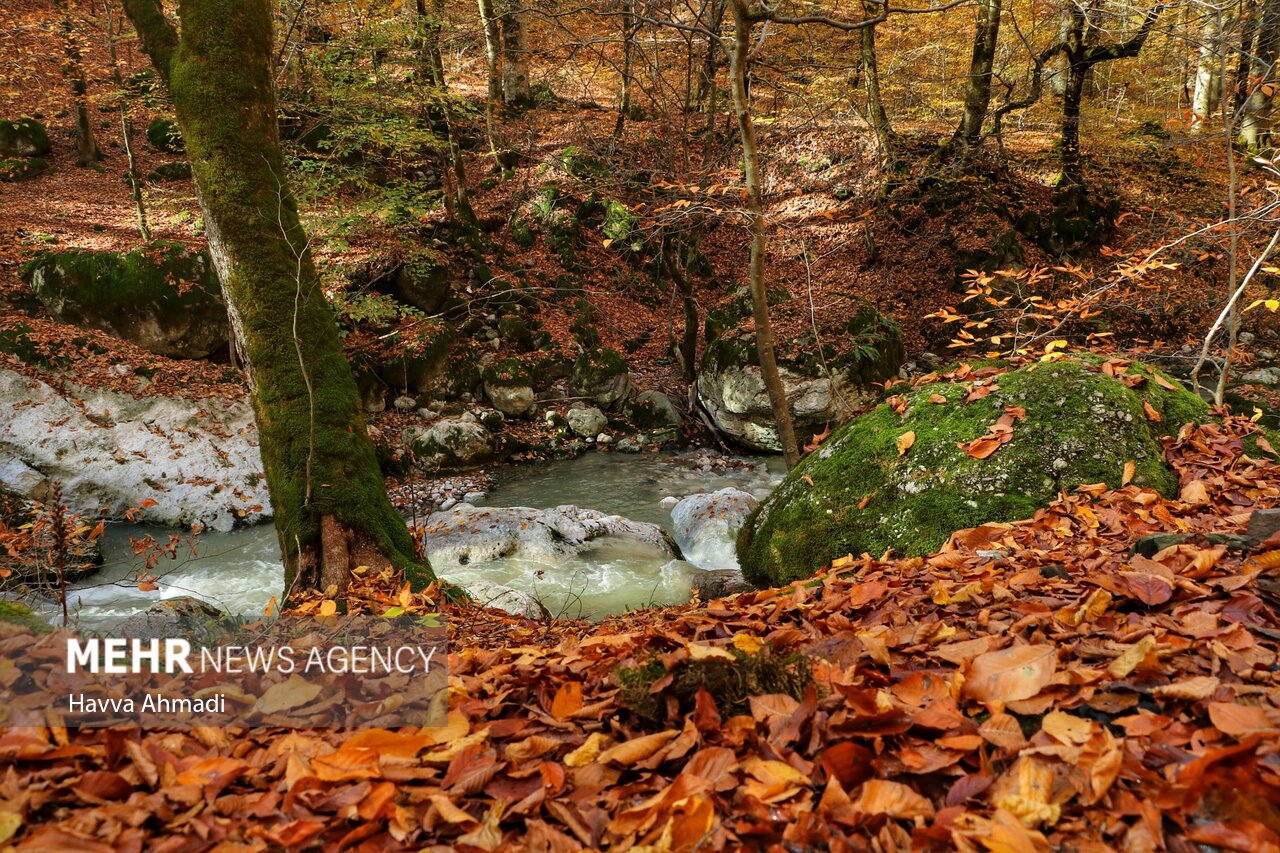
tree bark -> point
(317, 454)
(1262, 77)
(515, 54)
(630, 26)
(427, 32)
(1204, 98)
(977, 96)
(743, 26)
(87, 151)
(871, 83)
(493, 71)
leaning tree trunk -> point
(515, 54)
(755, 210)
(871, 83)
(977, 95)
(331, 507)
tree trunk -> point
(1204, 98)
(755, 208)
(977, 95)
(131, 176)
(630, 26)
(331, 507)
(493, 71)
(871, 83)
(87, 151)
(1262, 77)
(427, 31)
(1072, 95)
(1248, 31)
(515, 54)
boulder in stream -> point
(182, 617)
(466, 535)
(821, 390)
(707, 525)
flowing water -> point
(240, 572)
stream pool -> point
(240, 571)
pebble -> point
(604, 438)
(668, 502)
(405, 403)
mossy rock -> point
(12, 171)
(13, 613)
(516, 330)
(25, 137)
(179, 170)
(422, 360)
(522, 233)
(163, 134)
(601, 375)
(509, 373)
(858, 493)
(423, 280)
(162, 297)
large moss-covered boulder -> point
(823, 389)
(905, 481)
(162, 297)
(25, 137)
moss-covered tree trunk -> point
(743, 25)
(331, 506)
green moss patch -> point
(858, 493)
(730, 683)
(14, 613)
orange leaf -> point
(1152, 414)
(568, 700)
(1018, 672)
(880, 796)
(905, 441)
(1237, 720)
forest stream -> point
(239, 571)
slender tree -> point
(131, 175)
(331, 506)
(427, 34)
(977, 95)
(87, 151)
(869, 67)
(1081, 56)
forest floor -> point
(1033, 686)
(1147, 684)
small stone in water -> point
(604, 438)
(668, 502)
(472, 497)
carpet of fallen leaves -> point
(1032, 686)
